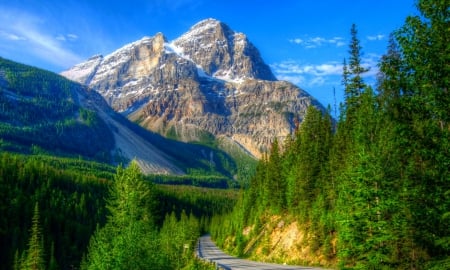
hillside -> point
(42, 111)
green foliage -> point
(375, 193)
(245, 163)
(178, 239)
(274, 184)
(352, 74)
(70, 194)
(202, 202)
(35, 253)
(199, 180)
(42, 108)
(131, 240)
(70, 207)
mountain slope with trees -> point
(41, 108)
(42, 112)
(373, 191)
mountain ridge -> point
(210, 80)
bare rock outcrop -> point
(211, 80)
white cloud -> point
(39, 41)
(292, 67)
(72, 37)
(10, 36)
(328, 69)
(376, 37)
(296, 40)
(68, 37)
(371, 61)
(307, 75)
(315, 75)
(314, 42)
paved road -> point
(209, 251)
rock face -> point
(209, 80)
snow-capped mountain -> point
(223, 53)
(209, 80)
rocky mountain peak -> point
(210, 80)
(222, 52)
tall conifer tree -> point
(35, 253)
(352, 73)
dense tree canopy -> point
(51, 207)
(372, 191)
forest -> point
(40, 108)
(371, 190)
(64, 213)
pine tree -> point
(129, 239)
(352, 74)
(312, 150)
(276, 185)
(356, 70)
(391, 80)
(414, 140)
(425, 125)
(130, 197)
(35, 253)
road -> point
(209, 251)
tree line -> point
(372, 189)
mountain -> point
(209, 81)
(43, 111)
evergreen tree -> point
(352, 74)
(424, 126)
(129, 240)
(391, 80)
(276, 186)
(356, 83)
(379, 184)
(35, 253)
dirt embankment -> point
(284, 240)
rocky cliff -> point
(211, 80)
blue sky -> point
(303, 41)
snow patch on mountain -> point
(83, 72)
(199, 30)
